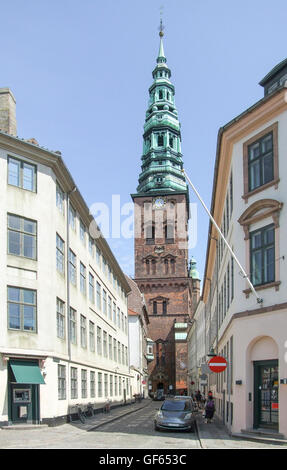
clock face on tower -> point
(158, 203)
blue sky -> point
(80, 72)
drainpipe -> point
(68, 286)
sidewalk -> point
(215, 435)
(100, 419)
(212, 435)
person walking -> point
(198, 398)
(209, 409)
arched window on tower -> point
(154, 309)
(147, 266)
(150, 235)
(169, 233)
(172, 265)
(166, 266)
(160, 140)
(160, 94)
(164, 307)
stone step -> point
(21, 427)
(252, 436)
(263, 432)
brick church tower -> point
(161, 206)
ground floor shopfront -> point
(252, 393)
(42, 390)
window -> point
(91, 288)
(83, 330)
(105, 266)
(92, 336)
(72, 268)
(82, 232)
(72, 217)
(260, 162)
(91, 246)
(118, 317)
(60, 254)
(22, 309)
(74, 382)
(83, 278)
(92, 384)
(61, 382)
(106, 385)
(114, 312)
(154, 307)
(98, 295)
(160, 93)
(60, 198)
(123, 354)
(262, 255)
(99, 340)
(98, 256)
(73, 326)
(160, 140)
(150, 234)
(60, 319)
(119, 352)
(116, 385)
(164, 307)
(21, 174)
(104, 302)
(115, 350)
(22, 236)
(120, 385)
(105, 344)
(110, 347)
(109, 307)
(111, 385)
(100, 384)
(84, 383)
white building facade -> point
(64, 314)
(249, 204)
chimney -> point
(7, 112)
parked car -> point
(186, 397)
(175, 414)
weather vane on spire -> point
(161, 27)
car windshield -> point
(180, 405)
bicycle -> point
(89, 410)
(76, 410)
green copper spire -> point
(193, 269)
(162, 159)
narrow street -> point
(133, 430)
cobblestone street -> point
(129, 427)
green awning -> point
(26, 372)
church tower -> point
(161, 206)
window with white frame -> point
(60, 254)
(22, 237)
(74, 382)
(92, 336)
(61, 382)
(60, 319)
(83, 278)
(73, 325)
(83, 330)
(22, 309)
(72, 267)
(60, 198)
(22, 174)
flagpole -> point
(259, 300)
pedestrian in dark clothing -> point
(209, 410)
(198, 398)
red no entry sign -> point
(217, 364)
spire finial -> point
(161, 26)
